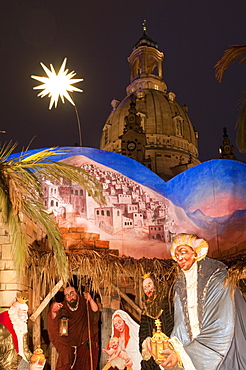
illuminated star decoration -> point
(56, 85)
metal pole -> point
(79, 125)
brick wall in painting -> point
(76, 238)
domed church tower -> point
(149, 125)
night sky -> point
(97, 37)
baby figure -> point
(115, 351)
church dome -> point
(170, 143)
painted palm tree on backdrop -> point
(232, 54)
(21, 196)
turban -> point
(199, 246)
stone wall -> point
(10, 285)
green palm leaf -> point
(21, 197)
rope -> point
(75, 356)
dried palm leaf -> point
(234, 53)
(230, 55)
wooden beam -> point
(53, 357)
(127, 299)
(46, 300)
(36, 334)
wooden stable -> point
(116, 280)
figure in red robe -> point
(14, 351)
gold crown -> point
(21, 300)
(146, 275)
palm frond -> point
(6, 150)
(40, 155)
(19, 243)
(21, 195)
(35, 211)
(54, 170)
(233, 53)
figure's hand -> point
(129, 362)
(148, 344)
(36, 366)
(93, 304)
(87, 296)
(55, 307)
(171, 360)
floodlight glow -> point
(56, 85)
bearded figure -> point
(14, 351)
(156, 305)
(78, 349)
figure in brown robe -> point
(78, 350)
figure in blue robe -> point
(209, 316)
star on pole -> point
(56, 85)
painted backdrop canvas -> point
(143, 212)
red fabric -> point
(78, 336)
(5, 320)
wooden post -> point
(36, 327)
(35, 317)
(46, 300)
(53, 357)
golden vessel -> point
(38, 356)
(158, 342)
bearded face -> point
(73, 303)
(18, 316)
(71, 297)
(149, 288)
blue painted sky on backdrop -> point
(187, 189)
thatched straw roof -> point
(105, 270)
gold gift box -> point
(158, 342)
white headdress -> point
(199, 245)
